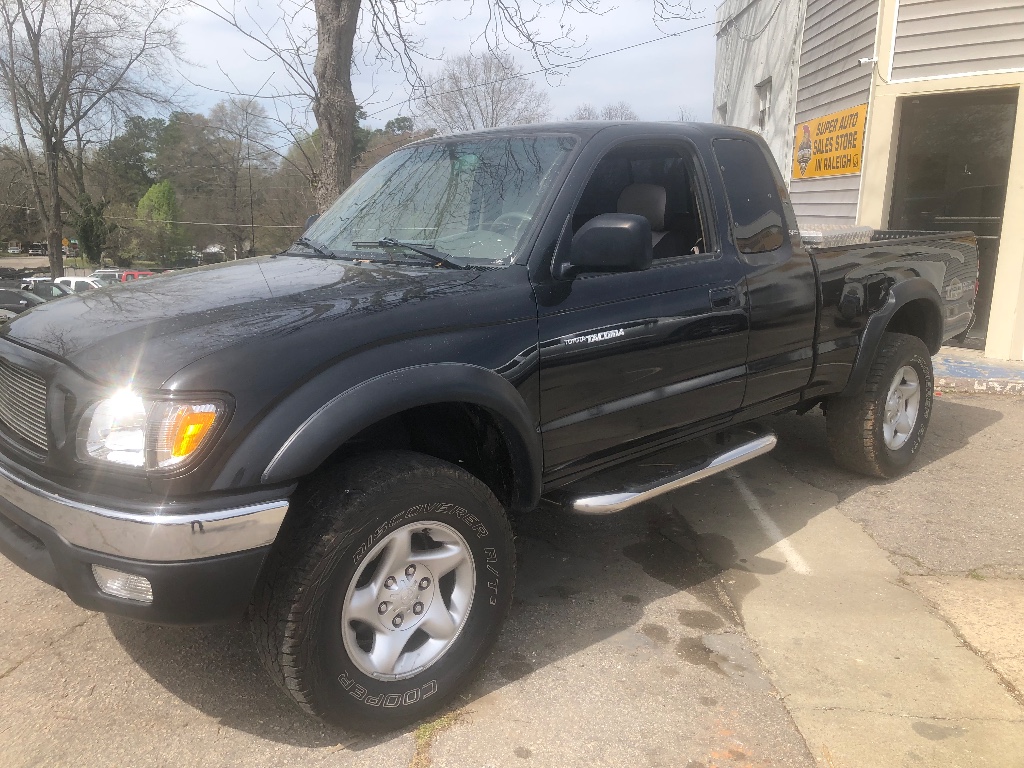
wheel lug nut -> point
(390, 582)
(383, 607)
(417, 608)
(397, 621)
(424, 582)
(410, 570)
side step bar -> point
(616, 502)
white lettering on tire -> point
(391, 700)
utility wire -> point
(566, 65)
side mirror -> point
(311, 220)
(611, 242)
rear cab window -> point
(755, 206)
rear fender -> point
(900, 294)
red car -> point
(134, 274)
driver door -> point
(629, 360)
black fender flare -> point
(387, 394)
(900, 295)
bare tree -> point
(317, 55)
(241, 135)
(472, 92)
(619, 111)
(65, 66)
(585, 112)
(686, 116)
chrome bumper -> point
(156, 537)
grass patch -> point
(425, 735)
(975, 575)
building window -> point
(764, 103)
(723, 113)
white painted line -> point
(796, 562)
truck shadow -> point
(583, 582)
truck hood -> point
(145, 331)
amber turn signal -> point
(189, 431)
(181, 429)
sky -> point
(656, 79)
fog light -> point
(120, 584)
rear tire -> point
(385, 591)
(879, 431)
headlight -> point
(131, 431)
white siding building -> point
(925, 95)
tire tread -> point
(283, 608)
(851, 421)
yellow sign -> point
(65, 242)
(830, 145)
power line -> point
(542, 70)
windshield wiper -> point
(314, 246)
(431, 253)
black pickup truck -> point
(331, 441)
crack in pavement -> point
(908, 716)
(41, 649)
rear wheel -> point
(879, 431)
(379, 603)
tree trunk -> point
(55, 227)
(335, 104)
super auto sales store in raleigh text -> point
(895, 114)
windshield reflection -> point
(471, 199)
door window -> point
(665, 191)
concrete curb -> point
(961, 370)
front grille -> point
(23, 404)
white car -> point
(79, 284)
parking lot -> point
(788, 614)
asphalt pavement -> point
(787, 614)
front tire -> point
(879, 431)
(387, 591)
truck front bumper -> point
(201, 561)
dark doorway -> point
(952, 164)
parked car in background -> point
(44, 289)
(79, 284)
(15, 247)
(135, 274)
(120, 275)
(14, 301)
(37, 249)
(109, 276)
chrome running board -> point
(615, 502)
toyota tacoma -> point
(331, 442)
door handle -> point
(724, 298)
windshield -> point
(473, 199)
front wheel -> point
(385, 595)
(879, 431)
